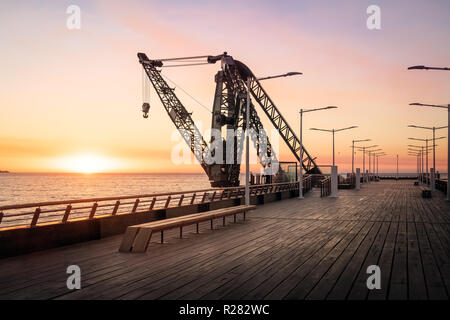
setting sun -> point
(87, 163)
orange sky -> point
(73, 94)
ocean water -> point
(19, 188)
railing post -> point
(136, 204)
(116, 207)
(213, 196)
(167, 202)
(94, 208)
(181, 200)
(37, 212)
(193, 198)
(152, 204)
(67, 213)
(204, 197)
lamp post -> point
(422, 155)
(433, 187)
(420, 161)
(370, 158)
(333, 131)
(421, 67)
(364, 157)
(247, 119)
(247, 146)
(334, 173)
(300, 174)
(417, 155)
(353, 152)
(426, 153)
(426, 156)
(377, 155)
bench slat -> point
(191, 216)
(137, 237)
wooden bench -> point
(426, 192)
(137, 238)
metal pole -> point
(448, 155)
(369, 167)
(374, 167)
(377, 167)
(353, 156)
(333, 149)
(300, 175)
(421, 165)
(434, 152)
(427, 173)
(364, 164)
(417, 165)
(247, 145)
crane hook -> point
(145, 109)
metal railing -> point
(20, 215)
(325, 187)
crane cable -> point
(145, 87)
(182, 58)
(176, 85)
(185, 65)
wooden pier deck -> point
(316, 248)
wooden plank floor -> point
(316, 248)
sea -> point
(20, 188)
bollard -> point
(358, 179)
(334, 182)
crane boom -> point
(286, 132)
(229, 110)
(175, 109)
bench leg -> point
(142, 240)
(211, 224)
(244, 215)
(197, 227)
(224, 221)
(181, 232)
(162, 236)
(128, 239)
(234, 218)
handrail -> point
(325, 187)
(49, 203)
(67, 210)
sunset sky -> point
(70, 98)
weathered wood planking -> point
(317, 248)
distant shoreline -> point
(4, 171)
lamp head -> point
(293, 73)
(417, 68)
